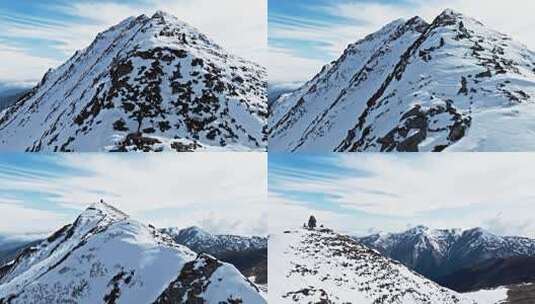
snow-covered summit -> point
(104, 209)
(322, 266)
(146, 84)
(105, 256)
(452, 84)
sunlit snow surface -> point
(107, 257)
(490, 296)
(414, 86)
(500, 129)
(310, 266)
(146, 84)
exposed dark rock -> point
(191, 282)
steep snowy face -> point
(436, 253)
(300, 119)
(425, 95)
(146, 84)
(106, 257)
(325, 267)
(202, 241)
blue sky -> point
(41, 192)
(313, 14)
(37, 35)
(304, 35)
(364, 193)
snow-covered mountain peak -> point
(417, 23)
(106, 257)
(103, 209)
(196, 232)
(145, 84)
(450, 13)
(481, 234)
(164, 15)
(425, 231)
(419, 229)
(170, 20)
(385, 30)
(454, 84)
(450, 17)
(324, 266)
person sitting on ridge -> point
(311, 222)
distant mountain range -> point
(450, 85)
(248, 254)
(462, 260)
(275, 91)
(10, 247)
(8, 97)
(104, 256)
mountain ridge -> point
(105, 256)
(200, 240)
(402, 98)
(322, 266)
(146, 84)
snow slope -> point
(247, 253)
(489, 296)
(146, 84)
(414, 86)
(107, 257)
(322, 266)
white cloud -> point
(240, 26)
(290, 214)
(21, 68)
(443, 191)
(282, 63)
(431, 182)
(16, 220)
(226, 192)
(512, 17)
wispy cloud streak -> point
(238, 25)
(391, 192)
(168, 190)
(307, 36)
